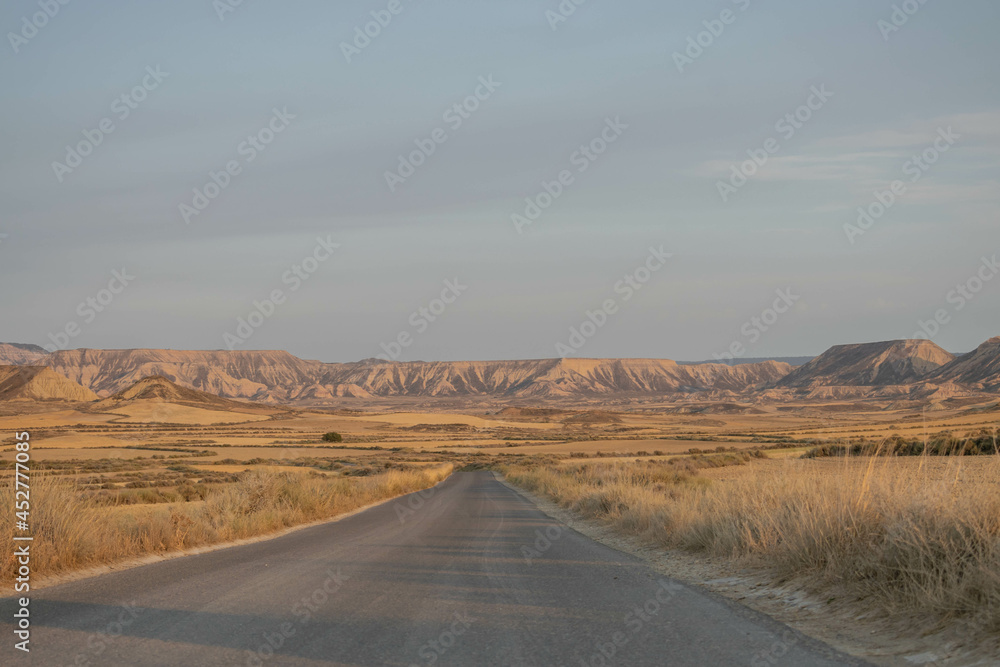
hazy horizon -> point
(329, 121)
(745, 359)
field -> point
(916, 535)
(912, 537)
(114, 450)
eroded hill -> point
(979, 368)
(913, 368)
(19, 354)
(275, 376)
(896, 362)
(39, 383)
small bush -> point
(332, 436)
(189, 491)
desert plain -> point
(862, 483)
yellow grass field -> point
(912, 537)
(915, 535)
(415, 418)
(73, 532)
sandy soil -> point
(156, 412)
(48, 419)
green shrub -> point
(941, 444)
(332, 437)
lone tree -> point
(332, 437)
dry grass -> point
(72, 532)
(919, 537)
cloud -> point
(859, 163)
(981, 128)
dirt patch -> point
(514, 411)
(594, 417)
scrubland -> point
(74, 529)
(915, 536)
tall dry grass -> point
(72, 532)
(914, 535)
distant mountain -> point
(39, 384)
(887, 368)
(869, 365)
(739, 361)
(253, 375)
(274, 376)
(20, 354)
(549, 377)
(979, 367)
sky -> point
(643, 178)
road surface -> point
(469, 573)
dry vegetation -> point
(917, 536)
(905, 531)
(74, 529)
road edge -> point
(886, 646)
(91, 572)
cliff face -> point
(17, 354)
(882, 364)
(281, 377)
(250, 375)
(979, 368)
(551, 377)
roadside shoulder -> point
(837, 621)
(51, 580)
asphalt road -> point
(465, 576)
